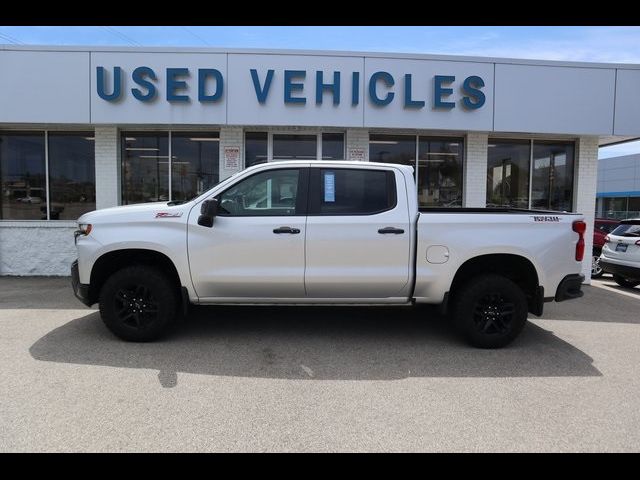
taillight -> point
(579, 227)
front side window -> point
(272, 193)
(344, 191)
(22, 176)
(508, 173)
(72, 177)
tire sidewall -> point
(623, 282)
(161, 289)
(468, 297)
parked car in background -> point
(601, 228)
(621, 253)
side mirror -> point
(208, 212)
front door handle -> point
(286, 230)
(396, 231)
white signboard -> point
(356, 154)
(231, 158)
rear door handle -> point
(286, 230)
(396, 231)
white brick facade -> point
(36, 247)
(584, 193)
(107, 146)
(231, 137)
(357, 144)
(474, 183)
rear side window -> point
(627, 230)
(343, 191)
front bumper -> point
(617, 269)
(80, 290)
(570, 287)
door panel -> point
(247, 253)
(346, 255)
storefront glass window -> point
(22, 176)
(393, 149)
(332, 146)
(145, 167)
(508, 173)
(255, 148)
(440, 172)
(194, 163)
(552, 186)
(295, 147)
(72, 179)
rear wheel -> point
(490, 311)
(626, 282)
(138, 303)
(596, 269)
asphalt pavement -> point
(316, 379)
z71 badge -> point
(168, 215)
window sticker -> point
(329, 187)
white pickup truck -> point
(319, 232)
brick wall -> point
(585, 181)
(107, 146)
(357, 141)
(231, 137)
(474, 190)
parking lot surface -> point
(316, 379)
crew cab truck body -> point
(320, 232)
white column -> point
(231, 137)
(357, 144)
(107, 152)
(584, 193)
(474, 185)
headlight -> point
(83, 229)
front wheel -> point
(138, 303)
(626, 282)
(490, 311)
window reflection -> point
(440, 172)
(145, 167)
(72, 182)
(552, 185)
(508, 173)
(194, 164)
(22, 175)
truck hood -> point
(138, 212)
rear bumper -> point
(80, 290)
(617, 269)
(570, 287)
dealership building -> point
(90, 127)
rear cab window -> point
(345, 191)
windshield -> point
(627, 230)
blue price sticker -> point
(329, 187)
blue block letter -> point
(471, 87)
(173, 84)
(117, 83)
(355, 88)
(408, 103)
(439, 91)
(289, 86)
(203, 73)
(373, 94)
(334, 87)
(261, 93)
(138, 77)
